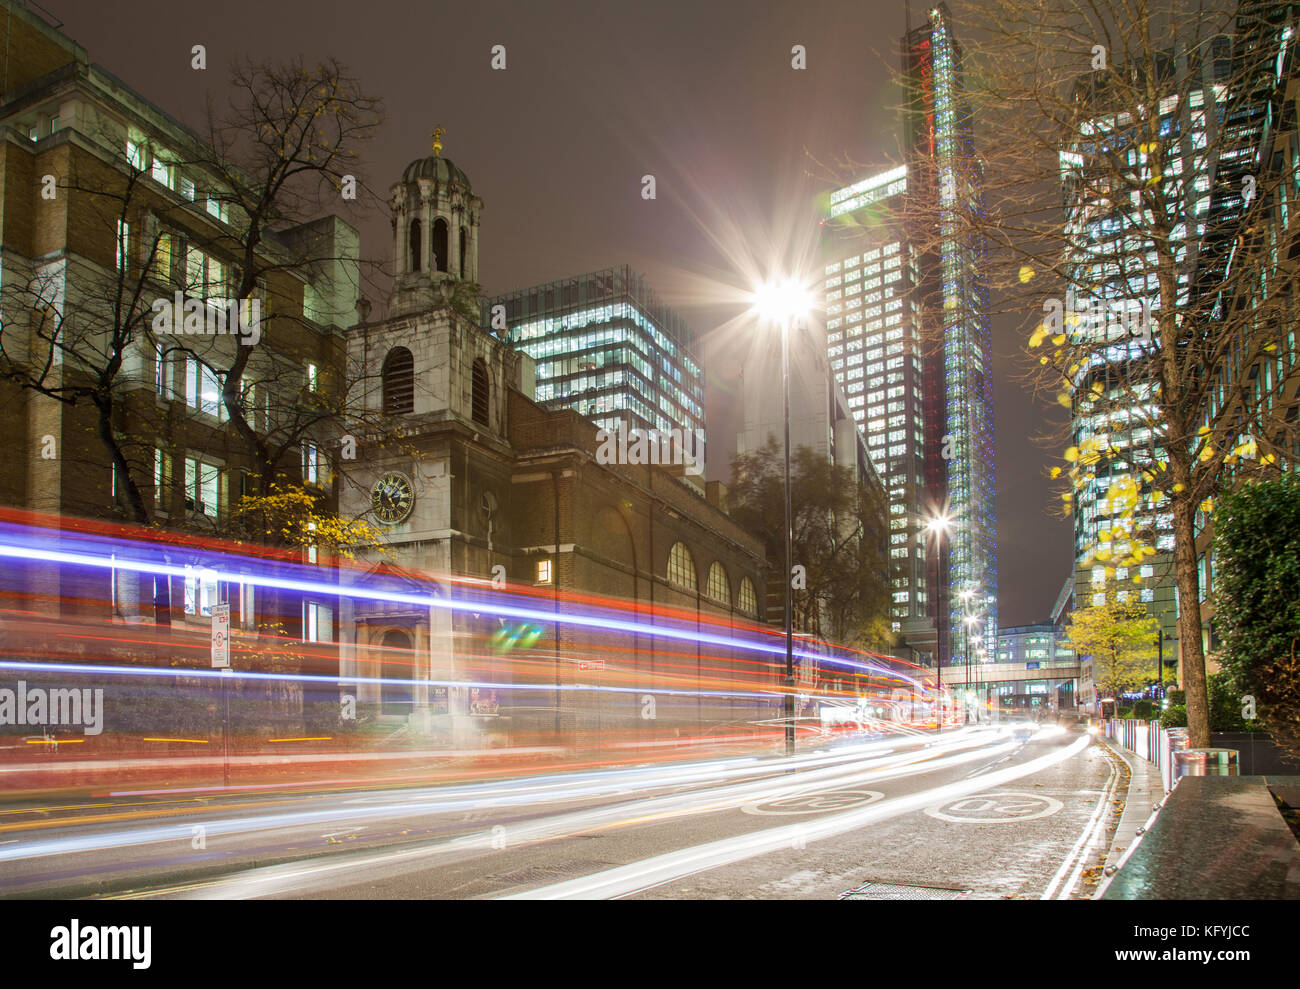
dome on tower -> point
(439, 169)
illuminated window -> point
(162, 477)
(310, 463)
(543, 571)
(203, 389)
(719, 588)
(123, 244)
(200, 591)
(161, 172)
(747, 600)
(681, 567)
(135, 154)
(317, 622)
(202, 487)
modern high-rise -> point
(945, 193)
(607, 347)
(873, 343)
(908, 338)
(1113, 287)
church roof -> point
(441, 170)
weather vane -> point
(437, 141)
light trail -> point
(456, 798)
(299, 877)
(656, 871)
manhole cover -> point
(897, 891)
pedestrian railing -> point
(1147, 739)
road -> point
(980, 812)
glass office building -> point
(1114, 272)
(908, 338)
(874, 347)
(608, 348)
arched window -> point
(464, 242)
(747, 600)
(440, 244)
(397, 663)
(399, 382)
(416, 241)
(681, 567)
(481, 393)
(718, 588)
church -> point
(486, 483)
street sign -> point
(1032, 666)
(221, 636)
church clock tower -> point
(433, 471)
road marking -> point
(648, 873)
(815, 803)
(1007, 807)
(273, 879)
(1095, 826)
(335, 834)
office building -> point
(608, 348)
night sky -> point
(595, 95)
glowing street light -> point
(940, 525)
(784, 302)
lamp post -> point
(966, 597)
(783, 302)
(939, 526)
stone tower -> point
(435, 234)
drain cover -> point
(898, 891)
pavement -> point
(1215, 838)
(1143, 793)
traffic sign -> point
(221, 636)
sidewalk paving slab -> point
(1216, 838)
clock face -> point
(392, 497)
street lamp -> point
(784, 302)
(971, 621)
(939, 526)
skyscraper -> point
(608, 348)
(908, 337)
(1114, 285)
(874, 347)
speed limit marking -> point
(1006, 807)
(819, 802)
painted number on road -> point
(996, 808)
(814, 803)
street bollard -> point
(1205, 762)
